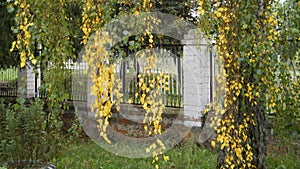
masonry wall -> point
(128, 121)
(196, 67)
(26, 83)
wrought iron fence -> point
(9, 81)
(74, 85)
(169, 62)
(127, 68)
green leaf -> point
(240, 59)
(259, 71)
(10, 9)
(16, 106)
(125, 32)
(131, 43)
(20, 100)
(44, 125)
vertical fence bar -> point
(16, 81)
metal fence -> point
(127, 68)
(9, 81)
(74, 85)
(77, 81)
(169, 62)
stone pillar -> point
(196, 78)
(26, 82)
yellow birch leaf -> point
(33, 61)
(213, 144)
(150, 40)
(166, 158)
(22, 64)
(13, 46)
(143, 87)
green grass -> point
(91, 156)
(283, 161)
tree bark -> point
(258, 139)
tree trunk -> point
(258, 139)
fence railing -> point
(127, 69)
(75, 84)
(169, 63)
(9, 81)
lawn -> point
(89, 155)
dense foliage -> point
(286, 94)
(28, 135)
(257, 43)
(6, 35)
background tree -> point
(6, 35)
(73, 13)
(286, 93)
(183, 9)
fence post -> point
(196, 82)
(26, 82)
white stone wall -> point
(196, 78)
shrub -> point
(28, 133)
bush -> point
(28, 133)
